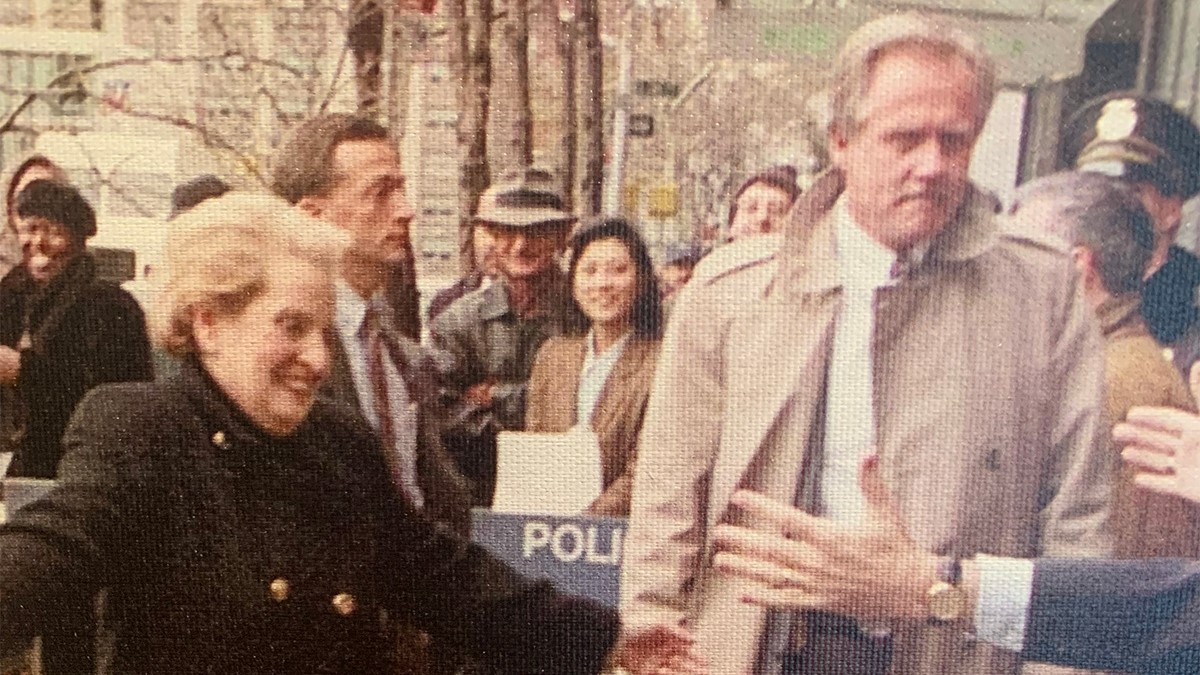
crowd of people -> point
(876, 432)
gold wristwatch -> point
(945, 598)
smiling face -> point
(369, 199)
(906, 163)
(606, 283)
(46, 247)
(525, 253)
(271, 357)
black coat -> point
(83, 332)
(230, 551)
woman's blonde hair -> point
(219, 256)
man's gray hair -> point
(856, 62)
(1099, 213)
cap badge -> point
(1118, 120)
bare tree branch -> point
(335, 81)
(62, 78)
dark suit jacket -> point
(1137, 616)
(554, 386)
(226, 550)
(447, 493)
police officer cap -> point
(1138, 139)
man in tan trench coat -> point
(897, 318)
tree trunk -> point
(365, 38)
(570, 133)
(471, 63)
(398, 50)
(520, 37)
(591, 94)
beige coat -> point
(988, 386)
(550, 406)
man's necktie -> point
(379, 385)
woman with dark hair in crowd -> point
(240, 524)
(598, 375)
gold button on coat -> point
(344, 604)
(280, 590)
(218, 440)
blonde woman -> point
(243, 526)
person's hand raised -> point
(1163, 444)
(788, 558)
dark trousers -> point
(835, 645)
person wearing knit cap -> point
(676, 268)
(62, 330)
(62, 333)
(761, 201)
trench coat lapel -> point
(778, 351)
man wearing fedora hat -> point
(486, 341)
(1156, 149)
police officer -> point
(1157, 150)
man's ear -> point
(203, 332)
(836, 142)
(312, 205)
(1084, 261)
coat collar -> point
(495, 303)
(230, 429)
(809, 262)
(1121, 316)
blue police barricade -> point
(580, 554)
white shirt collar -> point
(863, 261)
(611, 353)
(350, 309)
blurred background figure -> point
(62, 330)
(760, 203)
(1112, 240)
(1155, 149)
(190, 194)
(598, 375)
(486, 341)
(185, 197)
(34, 167)
(676, 269)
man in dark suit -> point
(346, 170)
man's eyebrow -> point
(397, 179)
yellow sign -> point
(664, 200)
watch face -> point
(946, 602)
